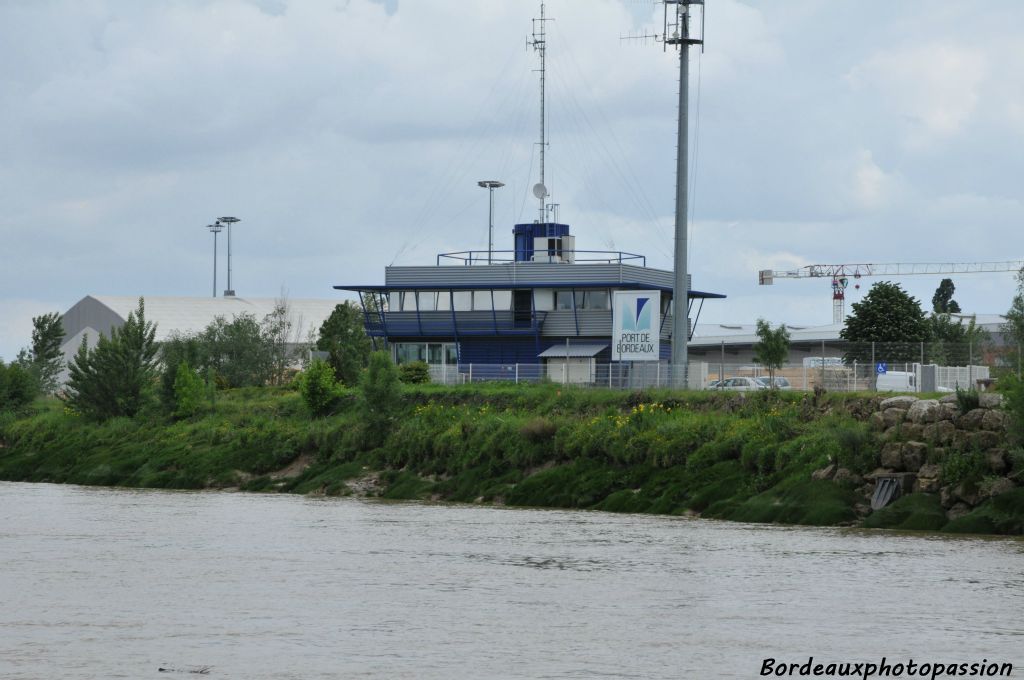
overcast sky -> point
(348, 135)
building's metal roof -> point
(578, 350)
(694, 294)
(187, 314)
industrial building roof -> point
(186, 314)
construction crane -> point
(840, 274)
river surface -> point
(109, 583)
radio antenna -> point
(539, 43)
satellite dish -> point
(540, 191)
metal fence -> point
(834, 366)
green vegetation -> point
(736, 457)
(887, 314)
(344, 339)
(772, 347)
(414, 373)
(17, 388)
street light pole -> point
(490, 185)
(215, 229)
(230, 292)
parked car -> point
(713, 384)
(780, 382)
(740, 385)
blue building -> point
(543, 308)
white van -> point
(896, 381)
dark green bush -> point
(319, 388)
(414, 373)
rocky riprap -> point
(915, 431)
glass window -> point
(409, 351)
(563, 299)
(434, 353)
(596, 299)
(544, 299)
(503, 300)
(451, 354)
(424, 300)
(463, 301)
(482, 300)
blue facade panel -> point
(526, 233)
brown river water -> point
(112, 583)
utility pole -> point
(677, 32)
(230, 292)
(215, 229)
(490, 185)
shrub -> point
(188, 391)
(380, 392)
(967, 400)
(17, 387)
(538, 430)
(319, 388)
(414, 373)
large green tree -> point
(942, 300)
(118, 376)
(45, 360)
(237, 351)
(772, 348)
(889, 317)
(17, 387)
(343, 337)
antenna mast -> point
(677, 32)
(539, 43)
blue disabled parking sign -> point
(881, 367)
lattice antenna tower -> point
(538, 41)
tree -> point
(890, 315)
(1013, 329)
(188, 391)
(318, 387)
(236, 351)
(942, 301)
(17, 387)
(772, 349)
(117, 377)
(174, 351)
(44, 358)
(344, 339)
(380, 394)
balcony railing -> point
(480, 257)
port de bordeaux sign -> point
(636, 325)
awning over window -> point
(577, 350)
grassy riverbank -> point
(721, 455)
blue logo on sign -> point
(881, 367)
(638, 320)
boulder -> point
(983, 440)
(876, 422)
(847, 478)
(971, 420)
(996, 460)
(949, 399)
(914, 454)
(904, 402)
(948, 411)
(879, 472)
(824, 473)
(957, 511)
(924, 411)
(929, 478)
(942, 432)
(893, 416)
(993, 420)
(946, 497)
(967, 493)
(892, 457)
(1000, 486)
(912, 431)
(862, 509)
(990, 400)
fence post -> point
(471, 374)
(922, 352)
(823, 364)
(874, 369)
(517, 373)
(854, 376)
